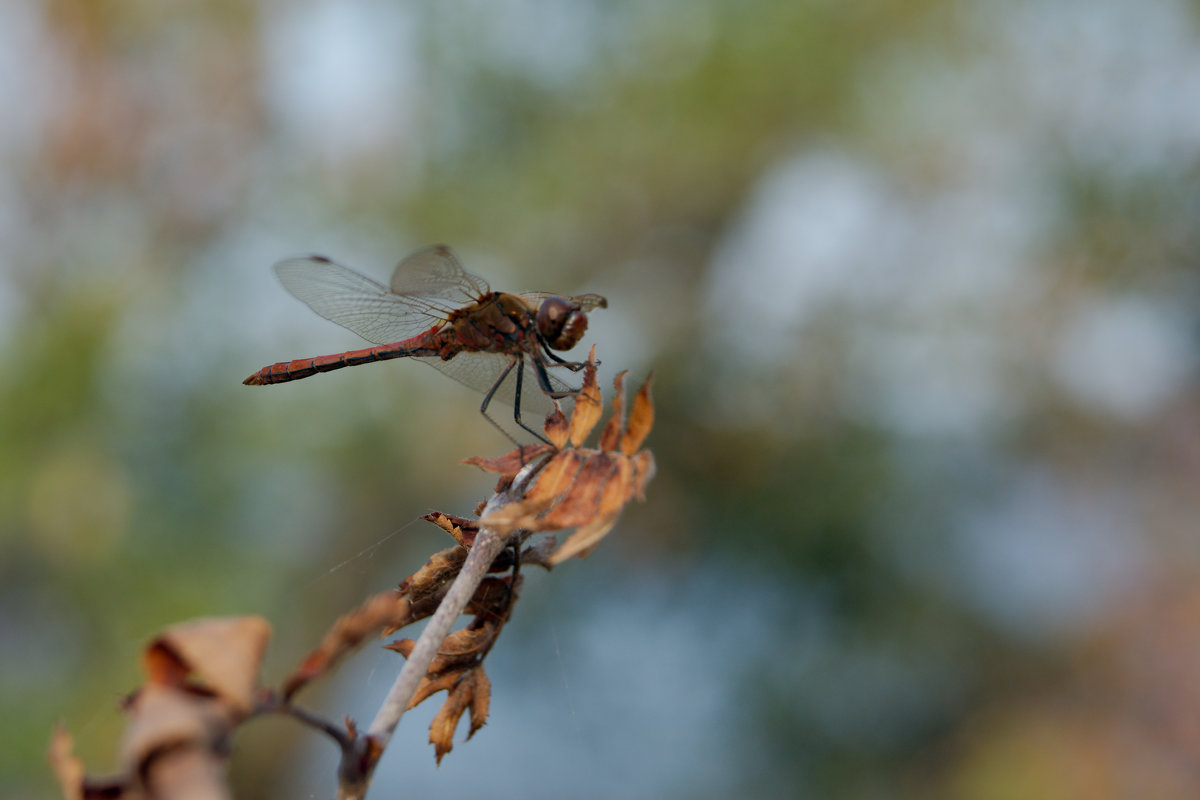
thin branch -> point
(312, 720)
(358, 763)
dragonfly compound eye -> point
(561, 322)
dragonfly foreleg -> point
(543, 378)
(574, 366)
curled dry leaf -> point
(176, 743)
(588, 404)
(602, 501)
(457, 668)
(641, 419)
(511, 463)
(432, 579)
(555, 477)
(472, 691)
(462, 677)
(464, 646)
(438, 571)
(221, 655)
(460, 650)
(463, 530)
(611, 435)
(382, 611)
(174, 747)
(557, 428)
(493, 599)
(582, 488)
(188, 773)
(164, 718)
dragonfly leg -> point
(519, 364)
(517, 399)
(539, 369)
(574, 366)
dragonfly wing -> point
(480, 371)
(588, 302)
(436, 272)
(356, 302)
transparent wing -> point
(436, 272)
(480, 371)
(358, 303)
(588, 302)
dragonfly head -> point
(561, 322)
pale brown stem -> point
(354, 773)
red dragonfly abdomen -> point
(304, 367)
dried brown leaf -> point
(491, 599)
(402, 646)
(376, 613)
(602, 509)
(468, 692)
(441, 568)
(641, 419)
(163, 666)
(588, 408)
(481, 700)
(557, 428)
(418, 610)
(445, 722)
(584, 540)
(224, 655)
(447, 522)
(189, 772)
(446, 668)
(611, 436)
(510, 464)
(461, 529)
(560, 475)
(551, 485)
(463, 647)
(555, 478)
(165, 718)
(629, 481)
(621, 486)
(582, 501)
(587, 489)
(429, 686)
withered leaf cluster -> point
(578, 487)
(574, 487)
(202, 677)
(458, 671)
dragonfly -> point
(435, 311)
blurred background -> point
(919, 282)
